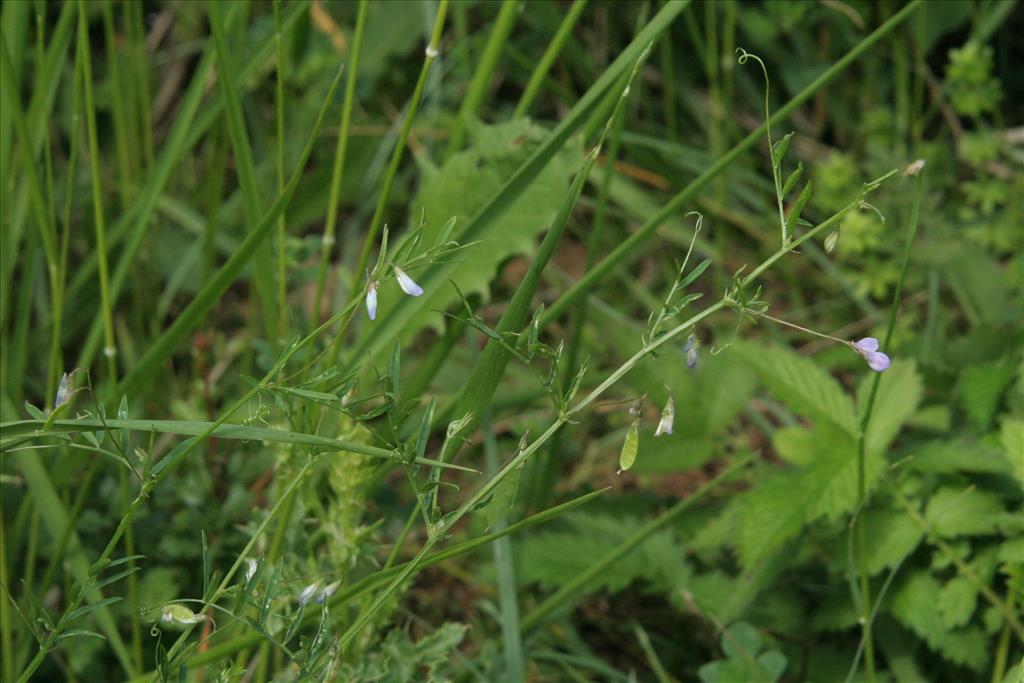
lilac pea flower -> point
(63, 391)
(406, 283)
(868, 349)
(668, 418)
(327, 592)
(371, 300)
(691, 352)
(307, 593)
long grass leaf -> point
(621, 254)
(384, 332)
(164, 345)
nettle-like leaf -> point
(795, 445)
(957, 600)
(980, 387)
(778, 508)
(802, 383)
(899, 393)
(551, 558)
(916, 605)
(947, 456)
(963, 512)
(832, 479)
(770, 515)
(464, 185)
(1011, 436)
(398, 658)
(892, 535)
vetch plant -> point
(333, 468)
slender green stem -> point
(263, 275)
(135, 29)
(476, 498)
(282, 268)
(542, 484)
(337, 172)
(360, 587)
(865, 420)
(6, 630)
(619, 256)
(543, 67)
(1003, 648)
(41, 206)
(1012, 619)
(133, 582)
(506, 573)
(430, 54)
(481, 82)
(117, 105)
(168, 464)
(162, 347)
(211, 599)
(400, 541)
(106, 304)
(801, 328)
(572, 587)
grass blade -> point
(205, 299)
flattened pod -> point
(629, 448)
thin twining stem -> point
(803, 329)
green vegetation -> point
(459, 340)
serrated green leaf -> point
(957, 455)
(801, 382)
(967, 647)
(551, 558)
(899, 393)
(1011, 436)
(832, 479)
(627, 456)
(741, 641)
(795, 445)
(463, 187)
(769, 516)
(980, 387)
(958, 512)
(892, 535)
(957, 600)
(916, 605)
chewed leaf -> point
(629, 448)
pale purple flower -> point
(691, 352)
(868, 348)
(668, 418)
(371, 300)
(327, 592)
(307, 593)
(63, 391)
(406, 283)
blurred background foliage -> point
(749, 585)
